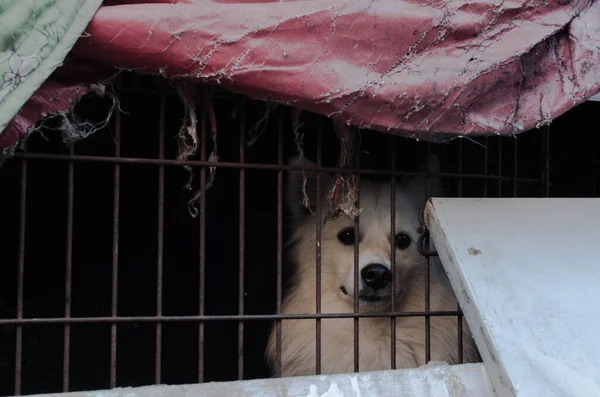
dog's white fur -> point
(298, 353)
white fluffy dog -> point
(298, 349)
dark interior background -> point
(574, 169)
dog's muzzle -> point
(376, 277)
(376, 281)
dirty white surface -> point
(527, 275)
(466, 380)
(595, 98)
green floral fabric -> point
(35, 37)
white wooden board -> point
(466, 380)
(527, 276)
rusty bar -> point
(546, 131)
(20, 278)
(428, 271)
(393, 250)
(279, 242)
(357, 153)
(242, 214)
(318, 225)
(68, 275)
(459, 167)
(202, 253)
(459, 188)
(486, 143)
(115, 253)
(257, 166)
(160, 237)
(592, 159)
(459, 321)
(515, 180)
(500, 179)
(232, 317)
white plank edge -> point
(595, 98)
(465, 380)
(494, 369)
(528, 282)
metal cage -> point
(107, 280)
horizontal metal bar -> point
(276, 167)
(232, 317)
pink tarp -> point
(429, 69)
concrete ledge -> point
(433, 380)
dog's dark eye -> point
(402, 241)
(346, 236)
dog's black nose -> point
(376, 275)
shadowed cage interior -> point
(128, 289)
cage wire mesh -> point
(108, 280)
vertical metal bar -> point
(515, 183)
(202, 273)
(499, 166)
(279, 242)
(393, 250)
(592, 162)
(160, 237)
(115, 253)
(318, 225)
(20, 278)
(486, 143)
(428, 270)
(459, 188)
(546, 163)
(68, 274)
(357, 153)
(242, 214)
(459, 162)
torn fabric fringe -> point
(71, 126)
(188, 133)
(74, 129)
(213, 157)
(261, 125)
(344, 194)
(298, 140)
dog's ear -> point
(301, 187)
(422, 188)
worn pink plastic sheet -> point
(428, 69)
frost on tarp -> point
(428, 69)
